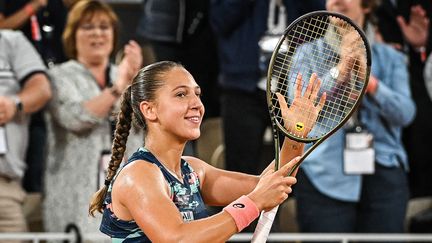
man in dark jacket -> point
(179, 30)
(239, 26)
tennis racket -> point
(319, 45)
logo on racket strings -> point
(299, 126)
(238, 205)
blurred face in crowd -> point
(351, 8)
(95, 39)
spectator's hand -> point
(274, 187)
(7, 109)
(351, 55)
(416, 31)
(129, 65)
(303, 108)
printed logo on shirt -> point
(187, 216)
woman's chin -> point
(194, 136)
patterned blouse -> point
(185, 195)
(76, 141)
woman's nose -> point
(196, 102)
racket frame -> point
(266, 219)
(276, 126)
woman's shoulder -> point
(66, 68)
(137, 184)
(139, 173)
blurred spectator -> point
(42, 22)
(24, 89)
(79, 118)
(406, 25)
(180, 31)
(330, 196)
(239, 26)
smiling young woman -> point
(159, 195)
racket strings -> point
(318, 42)
(283, 61)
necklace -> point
(178, 177)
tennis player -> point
(160, 195)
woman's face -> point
(94, 39)
(178, 105)
(351, 8)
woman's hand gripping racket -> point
(331, 50)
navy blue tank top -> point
(185, 195)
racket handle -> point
(264, 225)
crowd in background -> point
(63, 71)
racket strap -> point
(243, 211)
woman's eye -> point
(182, 94)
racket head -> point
(318, 42)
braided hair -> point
(143, 88)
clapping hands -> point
(130, 64)
(416, 31)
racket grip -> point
(264, 225)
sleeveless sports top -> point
(185, 195)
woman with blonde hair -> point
(87, 89)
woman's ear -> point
(148, 110)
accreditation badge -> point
(3, 141)
(359, 154)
